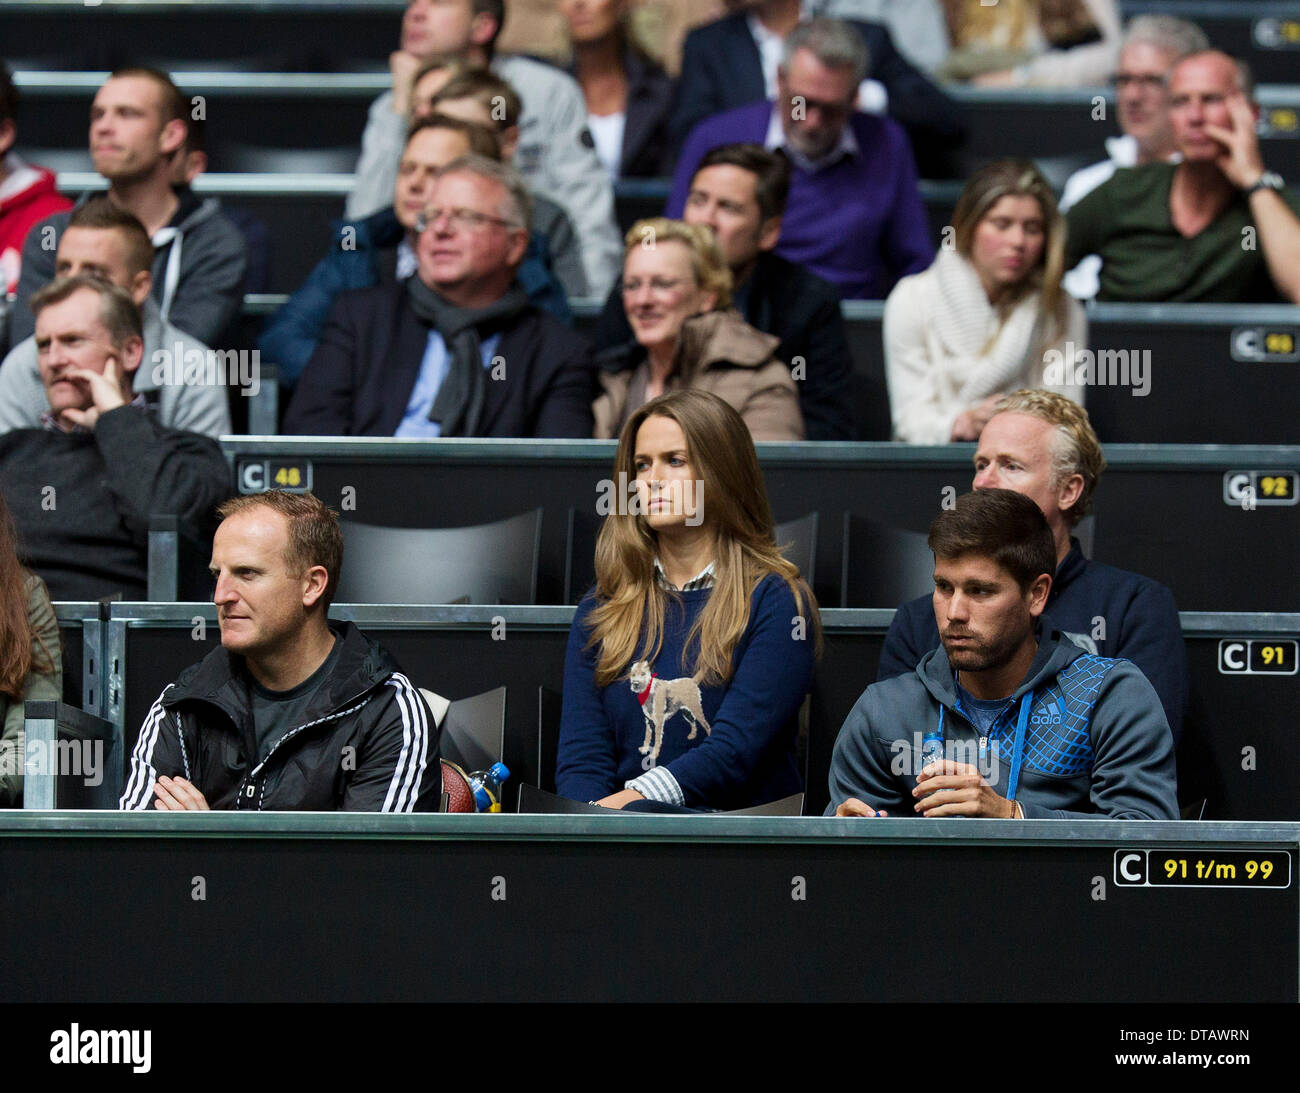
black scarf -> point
(458, 405)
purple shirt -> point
(860, 223)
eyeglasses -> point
(1122, 80)
(657, 284)
(461, 219)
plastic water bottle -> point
(931, 749)
(486, 786)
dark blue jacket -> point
(1139, 616)
(646, 152)
(365, 254)
(360, 377)
(721, 69)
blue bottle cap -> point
(499, 771)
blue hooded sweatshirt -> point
(1082, 736)
(1139, 616)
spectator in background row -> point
(537, 28)
(628, 94)
(82, 489)
(555, 155)
(1152, 43)
(978, 322)
(31, 666)
(1216, 226)
(105, 241)
(737, 61)
(457, 349)
(191, 162)
(855, 215)
(27, 195)
(688, 662)
(138, 127)
(740, 192)
(1032, 43)
(1042, 445)
(677, 293)
(916, 26)
(380, 250)
(477, 95)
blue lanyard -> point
(1018, 753)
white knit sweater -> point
(945, 351)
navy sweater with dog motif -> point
(728, 746)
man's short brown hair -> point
(100, 214)
(1002, 525)
(175, 106)
(482, 140)
(770, 168)
(315, 537)
(486, 88)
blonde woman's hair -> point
(1018, 178)
(627, 624)
(711, 270)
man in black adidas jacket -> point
(292, 712)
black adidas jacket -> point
(369, 744)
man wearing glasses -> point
(854, 216)
(457, 350)
(1215, 227)
(1152, 43)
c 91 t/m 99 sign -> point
(1203, 868)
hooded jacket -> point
(717, 352)
(28, 195)
(369, 743)
(198, 270)
(1082, 736)
(1141, 625)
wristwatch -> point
(1267, 181)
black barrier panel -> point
(1181, 516)
(75, 35)
(550, 908)
(462, 651)
(1232, 376)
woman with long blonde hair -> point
(989, 316)
(688, 662)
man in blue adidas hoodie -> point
(1032, 726)
(1042, 445)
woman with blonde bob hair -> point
(688, 662)
(989, 315)
(677, 295)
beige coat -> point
(718, 352)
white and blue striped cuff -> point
(658, 785)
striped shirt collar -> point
(703, 579)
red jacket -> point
(19, 211)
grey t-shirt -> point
(278, 712)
